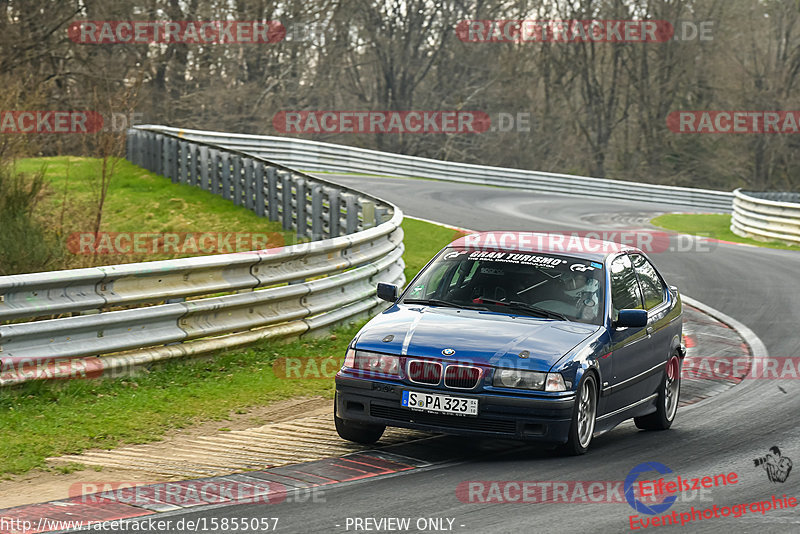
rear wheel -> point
(584, 416)
(363, 433)
(667, 403)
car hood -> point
(476, 336)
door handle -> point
(649, 330)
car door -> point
(656, 302)
(630, 345)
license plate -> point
(432, 402)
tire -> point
(363, 433)
(668, 396)
(584, 417)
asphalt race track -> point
(758, 287)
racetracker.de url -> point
(201, 524)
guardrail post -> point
(154, 150)
(176, 160)
(191, 175)
(143, 150)
(249, 184)
(226, 176)
(317, 224)
(143, 144)
(163, 156)
(260, 207)
(367, 213)
(333, 212)
(204, 183)
(214, 156)
(157, 159)
(191, 161)
(237, 180)
(300, 208)
(272, 193)
(184, 162)
(148, 153)
(351, 218)
(381, 215)
(166, 156)
(286, 200)
(172, 159)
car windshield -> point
(519, 283)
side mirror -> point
(633, 318)
(387, 292)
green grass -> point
(44, 419)
(713, 225)
(137, 201)
(423, 240)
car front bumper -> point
(504, 416)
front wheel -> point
(584, 416)
(363, 433)
(667, 403)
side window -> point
(652, 286)
(625, 293)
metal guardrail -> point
(286, 291)
(326, 157)
(767, 216)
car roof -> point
(574, 244)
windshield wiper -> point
(435, 302)
(516, 305)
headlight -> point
(516, 378)
(372, 362)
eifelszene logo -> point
(630, 489)
(672, 489)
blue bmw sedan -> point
(518, 335)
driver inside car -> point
(581, 289)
